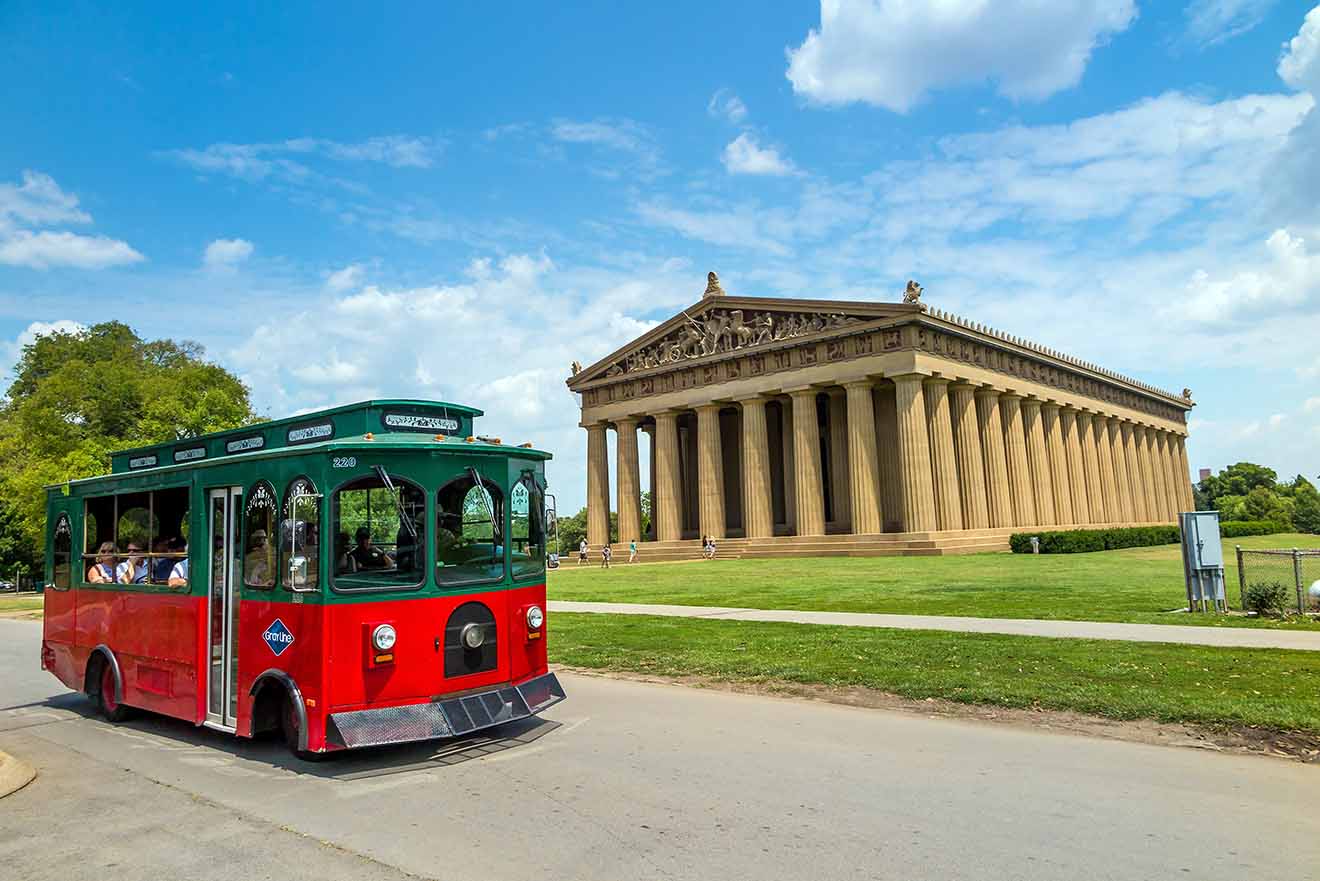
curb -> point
(14, 774)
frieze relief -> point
(860, 345)
(728, 330)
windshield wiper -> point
(398, 502)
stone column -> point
(806, 463)
(971, 461)
(1142, 437)
(863, 461)
(1151, 463)
(1172, 501)
(1122, 477)
(1038, 462)
(667, 497)
(710, 472)
(1089, 452)
(1184, 475)
(1015, 449)
(1060, 476)
(914, 455)
(839, 475)
(943, 460)
(758, 514)
(999, 498)
(598, 485)
(1135, 484)
(1108, 474)
(630, 480)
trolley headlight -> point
(473, 636)
(535, 618)
(384, 637)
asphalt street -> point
(632, 780)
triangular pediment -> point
(726, 325)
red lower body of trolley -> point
(309, 669)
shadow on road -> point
(271, 751)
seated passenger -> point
(134, 570)
(343, 560)
(162, 562)
(103, 570)
(258, 570)
(406, 548)
(366, 555)
(179, 571)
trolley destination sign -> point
(371, 417)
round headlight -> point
(383, 637)
(535, 618)
(473, 636)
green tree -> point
(1306, 506)
(1266, 504)
(1236, 480)
(77, 397)
(571, 531)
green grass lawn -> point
(1137, 584)
(28, 602)
(1276, 689)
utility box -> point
(1203, 561)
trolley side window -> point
(379, 525)
(62, 551)
(300, 536)
(469, 537)
(135, 537)
(258, 548)
(527, 533)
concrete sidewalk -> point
(1224, 637)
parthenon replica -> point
(827, 426)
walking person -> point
(605, 554)
(632, 550)
(710, 548)
(582, 552)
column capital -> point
(707, 408)
(1032, 403)
(596, 423)
(802, 392)
(986, 391)
(634, 421)
(858, 383)
(936, 380)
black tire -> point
(289, 724)
(103, 681)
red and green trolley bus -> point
(363, 575)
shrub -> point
(1080, 541)
(1239, 528)
(1266, 598)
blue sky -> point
(456, 202)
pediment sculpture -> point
(727, 330)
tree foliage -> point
(78, 397)
(1247, 491)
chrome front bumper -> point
(444, 718)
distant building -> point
(1205, 474)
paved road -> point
(628, 780)
(1183, 634)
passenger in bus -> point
(179, 571)
(162, 562)
(366, 555)
(103, 570)
(134, 570)
(257, 568)
(343, 559)
(406, 547)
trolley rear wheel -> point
(106, 704)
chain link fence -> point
(1289, 573)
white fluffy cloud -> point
(743, 155)
(1285, 281)
(1293, 193)
(501, 338)
(891, 53)
(226, 253)
(39, 201)
(725, 104)
(348, 277)
(1214, 21)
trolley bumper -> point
(444, 718)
